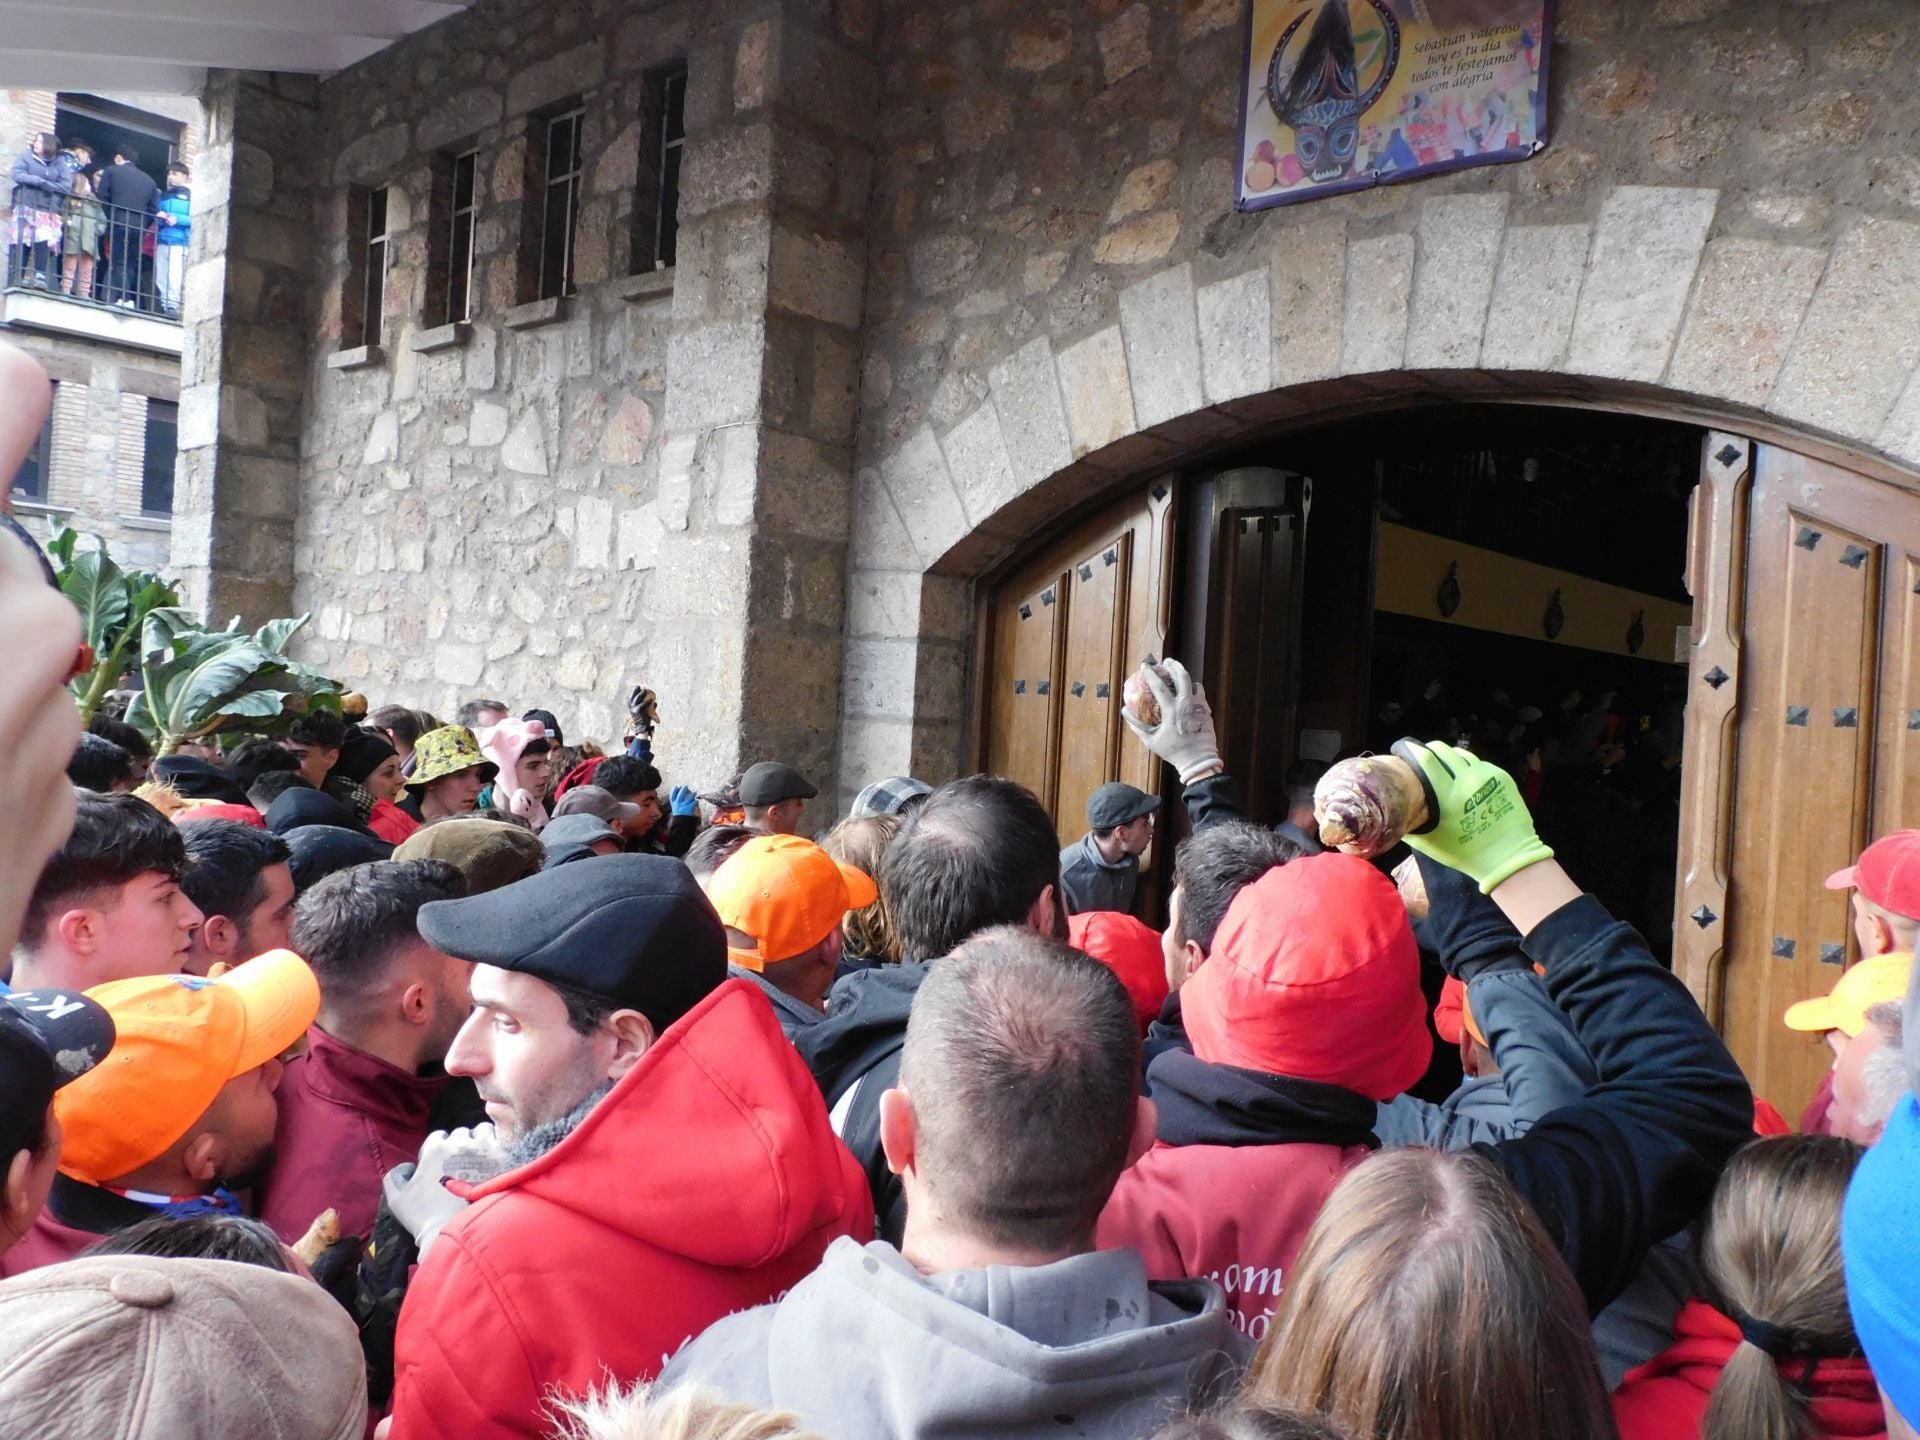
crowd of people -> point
(107, 232)
(404, 1077)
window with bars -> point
(463, 209)
(560, 213)
(373, 299)
(33, 480)
(162, 446)
(656, 200)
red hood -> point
(716, 1146)
(1846, 1401)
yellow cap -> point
(1871, 982)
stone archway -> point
(1643, 308)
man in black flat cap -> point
(1101, 869)
(668, 1157)
(775, 797)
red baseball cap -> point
(1314, 974)
(1887, 873)
(1131, 949)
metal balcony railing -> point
(75, 248)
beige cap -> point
(128, 1347)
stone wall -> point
(1061, 296)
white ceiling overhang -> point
(165, 47)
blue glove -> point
(683, 801)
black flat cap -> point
(770, 782)
(1117, 803)
(633, 930)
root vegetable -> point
(1366, 806)
(321, 1236)
(1138, 696)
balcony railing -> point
(75, 248)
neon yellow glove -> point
(1477, 823)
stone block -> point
(1096, 390)
(1536, 292)
(487, 424)
(1161, 325)
(458, 120)
(734, 166)
(1848, 366)
(923, 495)
(972, 122)
(880, 539)
(525, 448)
(1453, 279)
(1746, 308)
(571, 72)
(977, 462)
(1126, 43)
(879, 679)
(1145, 188)
(1309, 289)
(1646, 247)
(383, 439)
(1026, 395)
(640, 534)
(459, 664)
(371, 158)
(593, 533)
(1236, 336)
(714, 375)
(818, 277)
(624, 441)
(943, 263)
(1140, 241)
(755, 65)
(1373, 330)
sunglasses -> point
(83, 659)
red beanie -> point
(1131, 950)
(581, 774)
(245, 814)
(1314, 974)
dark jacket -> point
(76, 1215)
(42, 184)
(854, 1055)
(130, 188)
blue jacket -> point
(175, 207)
(44, 181)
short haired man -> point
(480, 714)
(315, 741)
(980, 852)
(1869, 1077)
(271, 785)
(625, 817)
(1210, 867)
(637, 783)
(782, 899)
(714, 846)
(1016, 1110)
(356, 1103)
(625, 1074)
(103, 767)
(48, 1039)
(1101, 870)
(1885, 902)
(108, 906)
(253, 758)
(181, 1116)
(775, 797)
(448, 774)
(239, 878)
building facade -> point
(105, 465)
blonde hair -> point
(860, 843)
(1429, 1304)
(686, 1413)
(1772, 1254)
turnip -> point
(1138, 697)
(1367, 805)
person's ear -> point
(1885, 942)
(1046, 915)
(201, 1158)
(632, 1037)
(416, 1005)
(899, 1130)
(1146, 1130)
(219, 935)
(15, 1213)
(80, 931)
(1196, 957)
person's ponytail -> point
(1752, 1402)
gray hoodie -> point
(867, 1348)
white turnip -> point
(1367, 805)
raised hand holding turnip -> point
(1167, 708)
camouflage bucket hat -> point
(447, 751)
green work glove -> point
(1476, 821)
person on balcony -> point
(86, 226)
(41, 184)
(176, 228)
(132, 200)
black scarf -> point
(1203, 1104)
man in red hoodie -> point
(668, 1158)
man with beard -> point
(664, 1159)
(180, 1116)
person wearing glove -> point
(643, 718)
(524, 754)
(1184, 738)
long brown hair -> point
(860, 843)
(1429, 1304)
(1772, 1254)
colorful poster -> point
(1342, 94)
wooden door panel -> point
(1099, 587)
(1896, 795)
(1024, 710)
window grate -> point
(460, 227)
(673, 141)
(561, 215)
(373, 301)
(157, 464)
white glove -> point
(1184, 737)
(416, 1193)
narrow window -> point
(561, 213)
(656, 195)
(673, 133)
(460, 223)
(156, 470)
(373, 299)
(33, 480)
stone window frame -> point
(656, 194)
(41, 455)
(356, 288)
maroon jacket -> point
(76, 1215)
(346, 1119)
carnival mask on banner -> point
(1318, 95)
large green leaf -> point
(188, 694)
(60, 548)
(98, 588)
(275, 635)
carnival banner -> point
(1339, 95)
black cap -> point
(633, 930)
(1117, 803)
(770, 782)
(47, 1038)
(197, 780)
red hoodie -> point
(708, 1181)
(1666, 1398)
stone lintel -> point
(647, 285)
(536, 313)
(360, 357)
(440, 337)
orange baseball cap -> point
(788, 894)
(180, 1038)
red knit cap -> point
(1314, 974)
(1130, 949)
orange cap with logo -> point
(788, 894)
(179, 1040)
